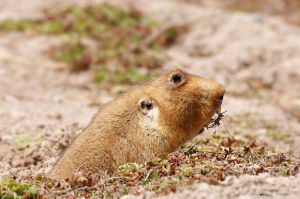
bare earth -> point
(255, 56)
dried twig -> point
(214, 122)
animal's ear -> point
(146, 105)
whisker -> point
(203, 115)
(218, 100)
(212, 110)
(225, 127)
(208, 109)
(215, 111)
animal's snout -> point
(214, 90)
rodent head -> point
(181, 102)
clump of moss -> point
(10, 188)
(74, 53)
(13, 25)
(25, 139)
(186, 170)
(128, 169)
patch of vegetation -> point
(254, 121)
(10, 25)
(128, 169)
(120, 75)
(128, 45)
(207, 160)
(186, 170)
(25, 139)
(10, 188)
(289, 9)
(278, 136)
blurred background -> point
(61, 60)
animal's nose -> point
(221, 99)
(221, 93)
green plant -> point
(25, 139)
(10, 188)
(186, 170)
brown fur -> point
(122, 133)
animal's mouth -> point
(200, 131)
(214, 121)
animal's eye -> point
(176, 78)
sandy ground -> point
(255, 56)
